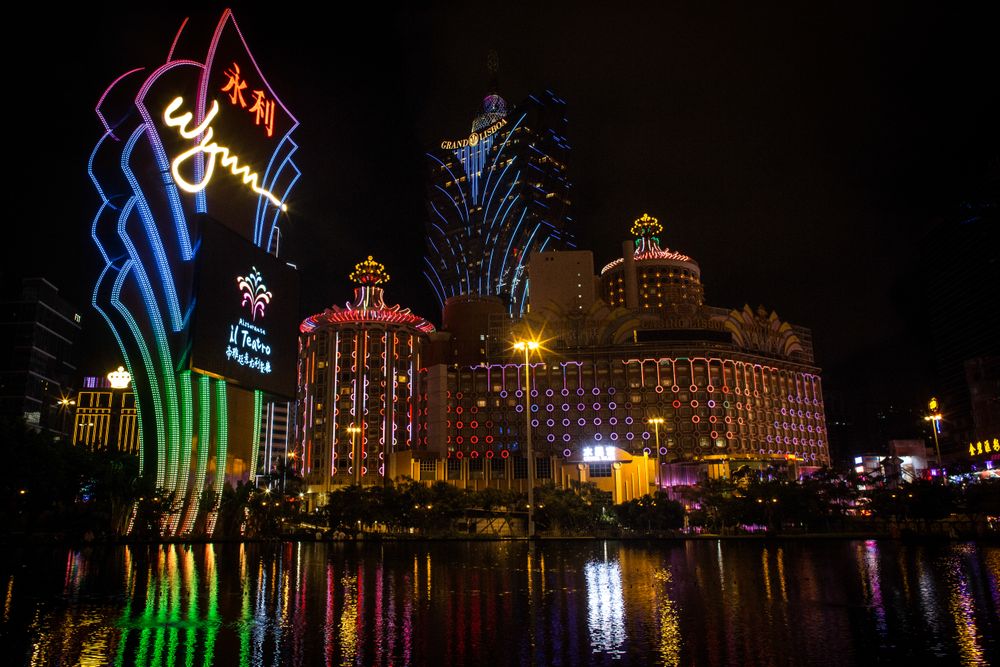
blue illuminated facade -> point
(164, 128)
(497, 196)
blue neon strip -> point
(457, 184)
(503, 147)
(159, 254)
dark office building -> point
(495, 197)
(39, 329)
(960, 262)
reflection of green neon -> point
(144, 620)
(212, 619)
(221, 437)
(174, 606)
(162, 607)
(191, 632)
(258, 404)
(124, 622)
(245, 617)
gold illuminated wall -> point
(661, 285)
(106, 420)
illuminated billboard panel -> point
(246, 314)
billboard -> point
(245, 325)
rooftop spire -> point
(494, 106)
(493, 67)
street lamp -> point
(656, 421)
(64, 404)
(528, 346)
(935, 419)
(353, 430)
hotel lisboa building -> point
(637, 384)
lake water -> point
(700, 602)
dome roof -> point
(646, 230)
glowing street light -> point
(935, 418)
(529, 346)
(656, 421)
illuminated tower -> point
(649, 277)
(358, 376)
(496, 196)
(193, 169)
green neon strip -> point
(204, 434)
(154, 385)
(221, 437)
(187, 429)
(258, 404)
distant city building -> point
(563, 279)
(358, 395)
(734, 388)
(105, 416)
(982, 376)
(497, 196)
(37, 369)
(959, 259)
(276, 435)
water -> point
(824, 602)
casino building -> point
(497, 196)
(358, 389)
(646, 385)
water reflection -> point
(605, 606)
(707, 603)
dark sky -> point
(797, 152)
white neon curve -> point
(210, 148)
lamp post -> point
(656, 421)
(354, 430)
(935, 419)
(528, 346)
(64, 404)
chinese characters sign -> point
(599, 453)
(984, 447)
(261, 108)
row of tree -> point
(52, 487)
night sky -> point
(798, 153)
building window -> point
(454, 469)
(543, 468)
(476, 468)
(520, 468)
(498, 468)
(600, 469)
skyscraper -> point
(36, 365)
(496, 196)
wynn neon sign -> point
(211, 149)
